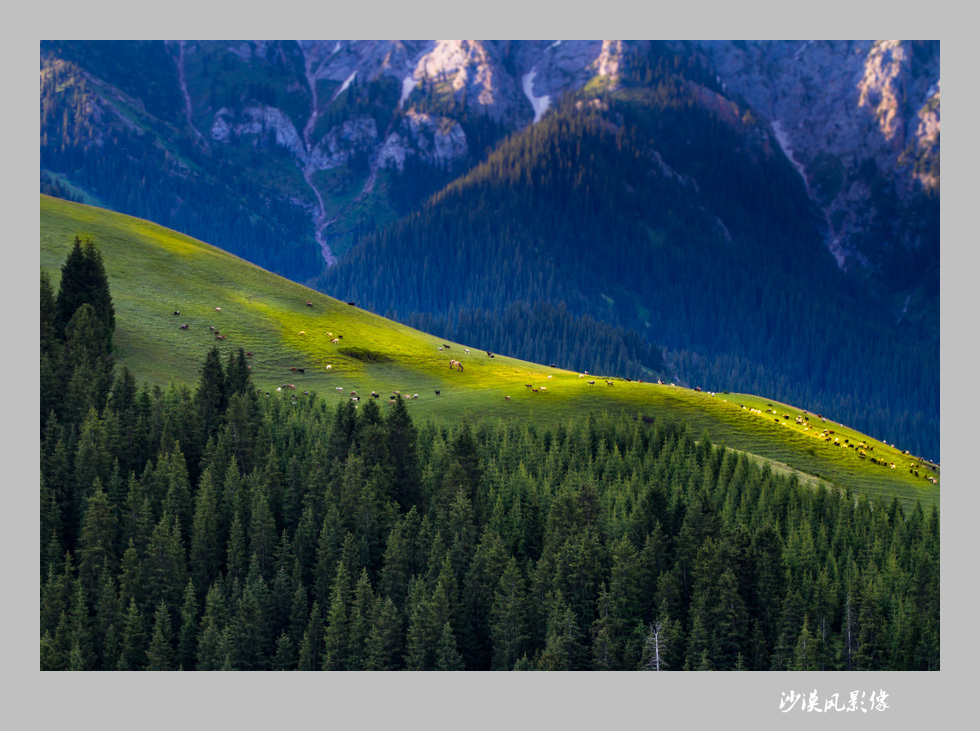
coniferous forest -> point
(218, 528)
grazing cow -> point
(437, 393)
(609, 383)
(544, 388)
(309, 303)
(441, 348)
(279, 390)
(217, 309)
(507, 398)
(353, 393)
(222, 337)
(354, 398)
(698, 389)
(398, 393)
(184, 326)
(176, 312)
(534, 390)
(248, 355)
(591, 383)
(340, 388)
(293, 369)
(211, 328)
(659, 382)
(301, 370)
(414, 396)
(335, 341)
(374, 394)
(549, 378)
(491, 355)
(527, 385)
(351, 304)
(466, 349)
(446, 346)
(292, 385)
(581, 375)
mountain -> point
(858, 119)
(806, 172)
(283, 326)
(860, 122)
(505, 515)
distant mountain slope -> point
(646, 210)
(153, 271)
(337, 131)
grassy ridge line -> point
(153, 271)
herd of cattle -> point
(861, 449)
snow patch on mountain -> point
(783, 139)
(539, 103)
(408, 84)
(343, 87)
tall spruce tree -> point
(84, 281)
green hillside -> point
(154, 271)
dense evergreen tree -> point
(84, 281)
(522, 549)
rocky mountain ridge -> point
(859, 120)
(838, 108)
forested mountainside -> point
(297, 154)
(214, 529)
(705, 247)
